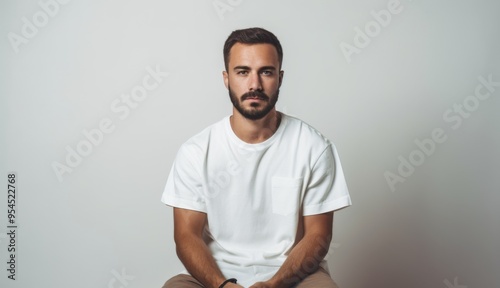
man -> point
(254, 194)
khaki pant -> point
(319, 279)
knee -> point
(171, 283)
(181, 281)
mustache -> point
(254, 94)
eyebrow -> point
(248, 68)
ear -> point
(225, 76)
(281, 77)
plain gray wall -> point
(437, 227)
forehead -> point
(253, 55)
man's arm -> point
(192, 250)
(305, 257)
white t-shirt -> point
(255, 194)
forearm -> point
(304, 259)
(196, 257)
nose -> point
(255, 83)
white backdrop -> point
(97, 96)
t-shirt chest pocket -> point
(286, 195)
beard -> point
(256, 111)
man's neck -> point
(255, 131)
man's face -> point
(253, 79)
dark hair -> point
(251, 36)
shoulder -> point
(199, 143)
(304, 132)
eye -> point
(242, 72)
(267, 72)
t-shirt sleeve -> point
(327, 189)
(184, 187)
